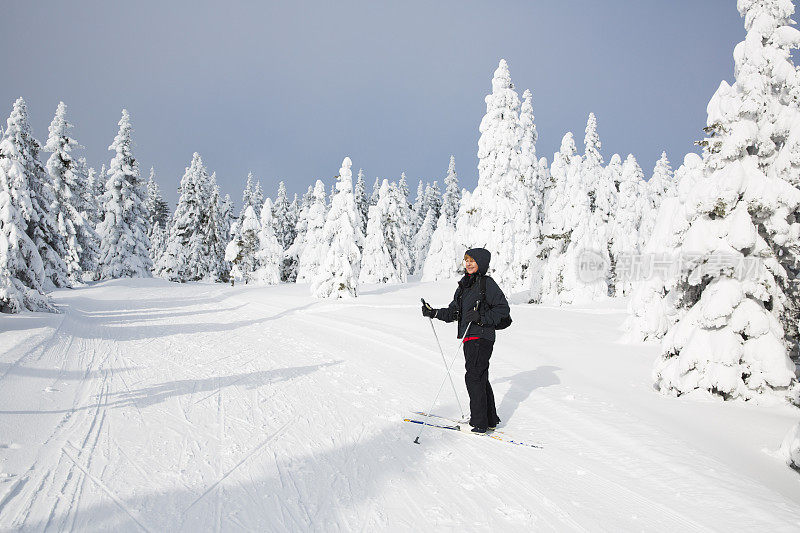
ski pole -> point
(445, 364)
(416, 440)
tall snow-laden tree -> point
(157, 216)
(42, 227)
(624, 237)
(660, 186)
(186, 256)
(242, 251)
(418, 209)
(386, 258)
(296, 249)
(270, 251)
(396, 227)
(497, 217)
(315, 246)
(68, 207)
(600, 186)
(284, 226)
(124, 246)
(338, 273)
(157, 207)
(281, 217)
(215, 232)
(731, 340)
(654, 306)
(443, 260)
(433, 200)
(86, 205)
(362, 202)
(21, 270)
(528, 230)
(98, 190)
(376, 261)
(422, 241)
(376, 189)
(253, 195)
(571, 255)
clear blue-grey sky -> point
(287, 89)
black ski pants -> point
(483, 412)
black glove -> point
(427, 310)
(473, 316)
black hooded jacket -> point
(468, 294)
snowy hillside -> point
(155, 406)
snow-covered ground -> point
(157, 406)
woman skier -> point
(481, 314)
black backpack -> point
(506, 320)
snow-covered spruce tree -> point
(227, 211)
(531, 178)
(284, 227)
(69, 207)
(433, 200)
(731, 341)
(602, 192)
(396, 227)
(281, 218)
(42, 227)
(289, 266)
(624, 238)
(418, 210)
(98, 190)
(443, 260)
(376, 262)
(253, 196)
(560, 216)
(21, 271)
(496, 217)
(315, 246)
(157, 207)
(270, 252)
(654, 306)
(338, 273)
(376, 189)
(241, 252)
(386, 258)
(124, 247)
(185, 257)
(296, 249)
(422, 240)
(86, 205)
(157, 215)
(215, 232)
(91, 197)
(660, 186)
(362, 202)
(767, 88)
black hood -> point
(481, 256)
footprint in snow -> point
(50, 389)
(10, 446)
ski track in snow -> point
(153, 406)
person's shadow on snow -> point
(522, 385)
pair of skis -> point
(451, 424)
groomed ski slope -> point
(161, 407)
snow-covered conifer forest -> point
(246, 362)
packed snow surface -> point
(154, 406)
